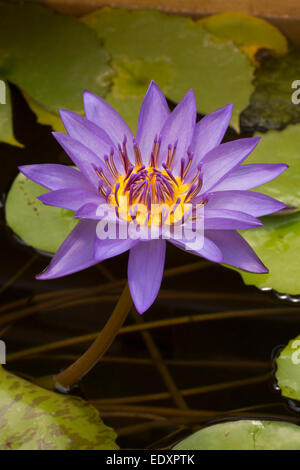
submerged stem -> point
(69, 377)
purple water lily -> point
(172, 161)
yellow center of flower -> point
(149, 195)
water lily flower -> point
(172, 161)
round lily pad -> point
(42, 227)
(288, 369)
(281, 147)
(244, 435)
(178, 53)
(250, 33)
(273, 104)
(52, 57)
(277, 244)
(32, 418)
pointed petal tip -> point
(140, 310)
(139, 305)
(260, 270)
(153, 88)
(42, 276)
(227, 109)
(191, 95)
(22, 169)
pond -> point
(205, 350)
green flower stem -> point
(69, 377)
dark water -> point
(230, 349)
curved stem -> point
(70, 376)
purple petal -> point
(145, 272)
(97, 211)
(209, 250)
(75, 254)
(208, 134)
(53, 176)
(223, 159)
(108, 248)
(90, 135)
(88, 211)
(250, 176)
(101, 113)
(249, 202)
(70, 198)
(218, 219)
(82, 157)
(153, 114)
(236, 251)
(178, 130)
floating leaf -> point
(277, 244)
(40, 226)
(32, 418)
(248, 32)
(178, 53)
(244, 435)
(271, 105)
(281, 147)
(288, 369)
(6, 129)
(51, 57)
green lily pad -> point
(277, 244)
(271, 105)
(32, 418)
(244, 435)
(51, 57)
(40, 226)
(178, 53)
(288, 369)
(248, 32)
(6, 129)
(281, 147)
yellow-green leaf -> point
(248, 32)
(288, 369)
(178, 53)
(32, 418)
(278, 246)
(51, 57)
(244, 435)
(40, 226)
(281, 147)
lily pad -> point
(6, 128)
(245, 435)
(271, 105)
(288, 369)
(281, 147)
(42, 227)
(248, 32)
(51, 57)
(32, 418)
(178, 53)
(278, 246)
